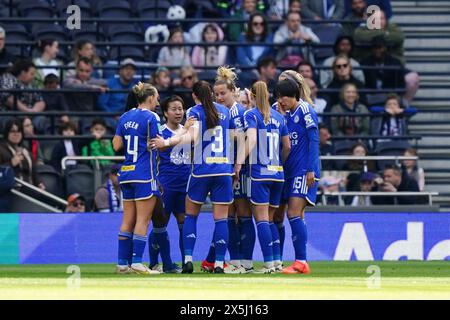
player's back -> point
(135, 127)
(211, 151)
(299, 122)
(265, 159)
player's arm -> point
(313, 154)
(285, 143)
(117, 143)
(189, 134)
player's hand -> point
(189, 122)
(237, 170)
(310, 179)
(156, 143)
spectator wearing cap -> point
(366, 184)
(47, 62)
(394, 181)
(328, 185)
(380, 78)
(108, 197)
(323, 10)
(177, 55)
(6, 58)
(76, 203)
(115, 102)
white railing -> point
(40, 191)
(428, 194)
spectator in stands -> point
(54, 101)
(393, 181)
(6, 58)
(76, 203)
(176, 56)
(99, 146)
(306, 69)
(258, 34)
(212, 55)
(326, 147)
(6, 184)
(357, 167)
(358, 12)
(244, 98)
(279, 8)
(366, 184)
(14, 154)
(343, 46)
(319, 104)
(49, 49)
(342, 74)
(85, 49)
(115, 102)
(392, 34)
(349, 104)
(393, 122)
(82, 81)
(384, 5)
(267, 72)
(108, 197)
(379, 78)
(411, 168)
(162, 81)
(188, 78)
(248, 7)
(329, 185)
(296, 34)
(66, 147)
(323, 10)
(31, 144)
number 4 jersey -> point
(136, 127)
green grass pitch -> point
(328, 280)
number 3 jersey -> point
(212, 154)
(265, 160)
(136, 127)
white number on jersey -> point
(217, 146)
(132, 150)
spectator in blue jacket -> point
(258, 33)
(115, 102)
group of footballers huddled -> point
(271, 169)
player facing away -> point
(302, 167)
(241, 228)
(211, 172)
(137, 178)
(267, 146)
(174, 168)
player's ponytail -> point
(202, 90)
(261, 96)
(226, 76)
(304, 90)
(142, 91)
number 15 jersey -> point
(136, 127)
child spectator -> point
(163, 82)
(393, 121)
(366, 184)
(212, 55)
(66, 147)
(411, 168)
(99, 146)
(49, 49)
(176, 56)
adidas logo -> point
(295, 191)
(155, 247)
(277, 241)
(270, 244)
(191, 236)
(221, 241)
(294, 238)
(244, 236)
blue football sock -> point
(139, 243)
(180, 241)
(248, 238)
(162, 238)
(125, 247)
(265, 240)
(221, 239)
(189, 234)
(276, 242)
(282, 233)
(153, 249)
(233, 239)
(299, 237)
(211, 257)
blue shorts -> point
(266, 192)
(139, 191)
(241, 189)
(174, 201)
(296, 187)
(219, 187)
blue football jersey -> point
(265, 160)
(212, 150)
(136, 127)
(299, 122)
(174, 165)
(237, 123)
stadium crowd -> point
(352, 81)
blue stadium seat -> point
(85, 7)
(80, 179)
(87, 32)
(17, 33)
(115, 9)
(127, 52)
(49, 31)
(153, 9)
(51, 179)
(390, 148)
(326, 34)
(125, 33)
(342, 148)
(36, 9)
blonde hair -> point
(303, 87)
(261, 96)
(227, 76)
(144, 90)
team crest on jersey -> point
(309, 120)
(296, 119)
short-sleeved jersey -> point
(299, 122)
(237, 123)
(265, 160)
(212, 155)
(136, 127)
(174, 165)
